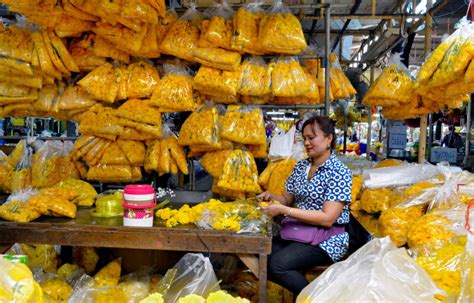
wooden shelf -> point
(86, 230)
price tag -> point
(439, 154)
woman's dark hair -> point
(325, 124)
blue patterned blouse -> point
(331, 182)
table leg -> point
(262, 278)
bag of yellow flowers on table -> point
(255, 77)
(175, 90)
(408, 205)
(201, 127)
(436, 230)
(280, 31)
(16, 207)
(376, 200)
(218, 32)
(394, 86)
(243, 125)
(183, 35)
(240, 173)
(289, 79)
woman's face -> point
(315, 141)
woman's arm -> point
(325, 217)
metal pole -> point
(369, 119)
(423, 122)
(467, 148)
(327, 25)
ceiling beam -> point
(346, 24)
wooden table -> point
(86, 230)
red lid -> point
(139, 189)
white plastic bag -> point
(281, 145)
(401, 175)
(377, 272)
(194, 275)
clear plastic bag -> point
(100, 124)
(16, 207)
(46, 99)
(41, 257)
(436, 230)
(211, 81)
(280, 31)
(200, 127)
(227, 193)
(394, 86)
(341, 86)
(377, 270)
(122, 37)
(279, 175)
(245, 28)
(142, 80)
(17, 43)
(110, 173)
(213, 162)
(86, 192)
(21, 174)
(75, 97)
(140, 111)
(85, 257)
(175, 90)
(289, 79)
(395, 222)
(133, 150)
(399, 175)
(219, 30)
(243, 125)
(255, 78)
(109, 275)
(467, 274)
(240, 173)
(53, 286)
(217, 58)
(376, 200)
(444, 267)
(182, 36)
(135, 286)
(102, 83)
(195, 275)
(431, 64)
(241, 216)
(55, 202)
(17, 283)
(114, 156)
(456, 58)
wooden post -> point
(369, 119)
(374, 5)
(424, 119)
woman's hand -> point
(266, 196)
(275, 208)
